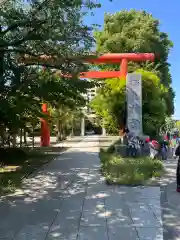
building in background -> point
(89, 119)
(91, 93)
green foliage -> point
(153, 104)
(177, 125)
(109, 103)
(129, 171)
(66, 121)
(168, 125)
(135, 32)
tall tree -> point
(137, 32)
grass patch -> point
(129, 171)
(17, 164)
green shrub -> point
(121, 170)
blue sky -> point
(168, 12)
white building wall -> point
(91, 93)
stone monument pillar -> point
(134, 103)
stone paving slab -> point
(150, 233)
(12, 215)
(117, 211)
(145, 219)
(94, 213)
(64, 228)
(33, 232)
(93, 233)
(119, 232)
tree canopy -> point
(137, 32)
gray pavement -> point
(170, 202)
(69, 200)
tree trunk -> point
(25, 136)
(63, 132)
(9, 139)
(72, 127)
(33, 141)
(21, 137)
(59, 131)
(14, 139)
(2, 134)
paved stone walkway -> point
(170, 202)
(69, 200)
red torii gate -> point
(122, 58)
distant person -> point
(132, 145)
(177, 153)
(173, 145)
(154, 149)
(146, 147)
(126, 130)
(125, 140)
(140, 146)
(168, 136)
(147, 140)
(164, 149)
(125, 136)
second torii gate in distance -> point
(109, 58)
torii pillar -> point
(45, 131)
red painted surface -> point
(95, 74)
(123, 69)
(122, 58)
(117, 57)
(45, 132)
